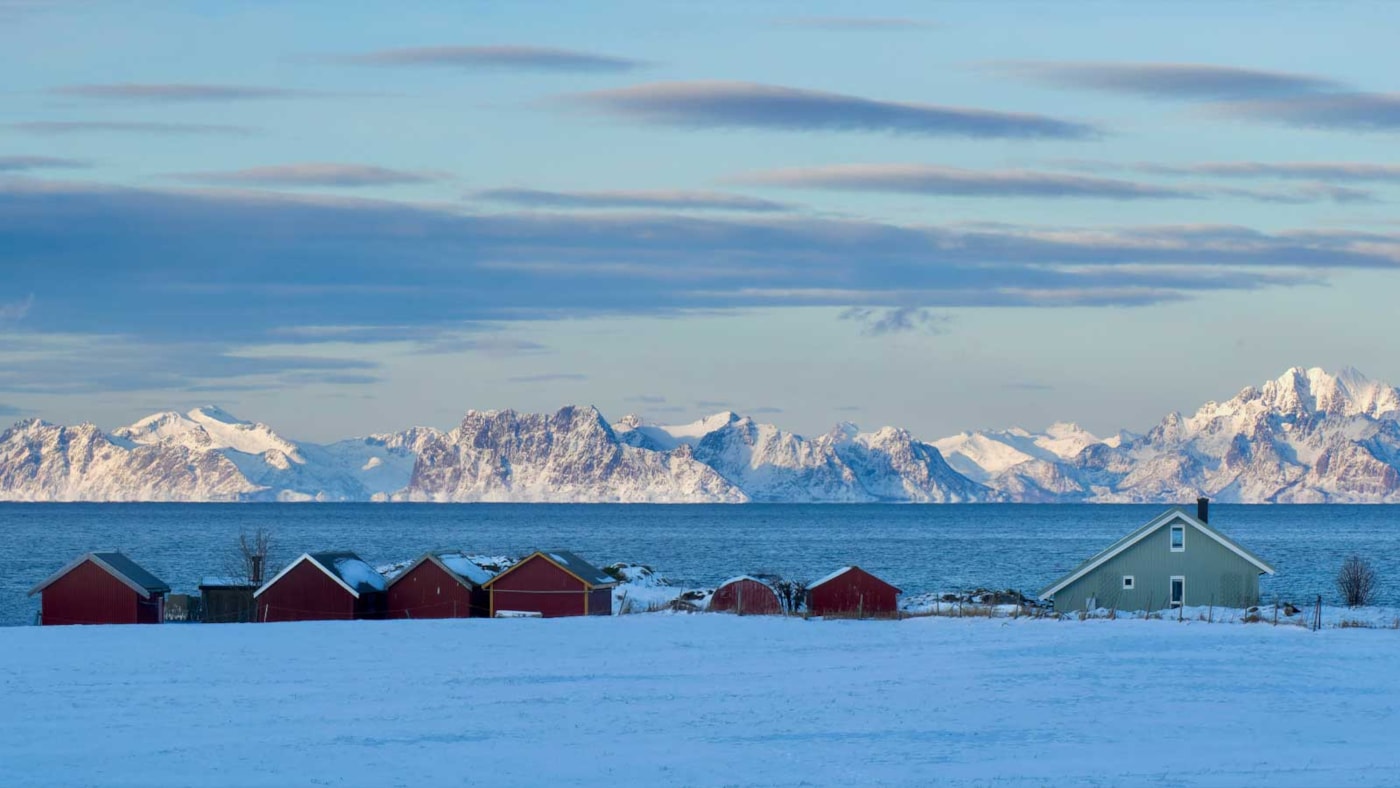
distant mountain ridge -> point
(1307, 436)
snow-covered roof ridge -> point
(828, 578)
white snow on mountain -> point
(1307, 436)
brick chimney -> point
(1203, 509)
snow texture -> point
(1305, 437)
(700, 700)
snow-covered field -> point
(699, 700)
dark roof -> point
(352, 570)
(133, 572)
(586, 572)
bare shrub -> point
(1356, 581)
(248, 561)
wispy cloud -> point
(856, 24)
(504, 58)
(669, 200)
(713, 403)
(15, 311)
(646, 399)
(549, 377)
(176, 92)
(937, 180)
(764, 410)
(8, 411)
(1371, 112)
(312, 174)
(899, 320)
(26, 163)
(1299, 170)
(1193, 81)
(490, 344)
(756, 106)
(131, 127)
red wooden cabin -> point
(747, 596)
(445, 585)
(321, 587)
(852, 591)
(101, 588)
(552, 584)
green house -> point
(1174, 560)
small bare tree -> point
(1356, 581)
(248, 562)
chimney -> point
(257, 578)
(1203, 509)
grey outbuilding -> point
(1176, 559)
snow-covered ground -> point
(700, 700)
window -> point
(1178, 593)
(1178, 538)
(1128, 582)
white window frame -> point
(1129, 582)
(1171, 538)
(1171, 582)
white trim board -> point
(315, 563)
(1169, 516)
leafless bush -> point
(1356, 581)
(248, 561)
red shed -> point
(552, 584)
(440, 585)
(101, 588)
(852, 591)
(747, 596)
(323, 586)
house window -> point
(1178, 538)
(1178, 593)
(1128, 582)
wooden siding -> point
(600, 602)
(1214, 575)
(428, 591)
(306, 594)
(90, 595)
(854, 592)
(538, 586)
(747, 598)
(228, 604)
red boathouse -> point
(101, 588)
(852, 592)
(440, 585)
(550, 585)
(323, 587)
(747, 596)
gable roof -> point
(582, 571)
(345, 568)
(117, 565)
(456, 565)
(843, 570)
(742, 578)
(1171, 516)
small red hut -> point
(747, 596)
(323, 586)
(101, 588)
(552, 584)
(440, 585)
(852, 591)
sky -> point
(349, 217)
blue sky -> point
(339, 217)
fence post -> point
(1317, 615)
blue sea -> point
(919, 548)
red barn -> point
(323, 586)
(446, 585)
(746, 596)
(852, 591)
(101, 588)
(553, 584)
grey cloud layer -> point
(240, 268)
(1168, 80)
(522, 58)
(937, 180)
(312, 174)
(859, 24)
(26, 163)
(1331, 111)
(671, 200)
(130, 127)
(756, 106)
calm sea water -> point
(919, 548)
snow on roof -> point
(223, 580)
(465, 568)
(741, 577)
(585, 571)
(843, 570)
(356, 573)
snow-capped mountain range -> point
(1307, 436)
